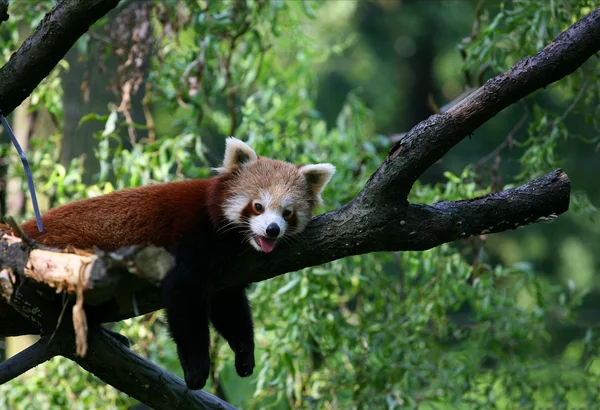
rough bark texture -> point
(101, 277)
(49, 43)
(122, 368)
(430, 140)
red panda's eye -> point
(258, 207)
(286, 214)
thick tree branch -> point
(354, 230)
(49, 43)
(117, 365)
(127, 371)
(430, 140)
(31, 278)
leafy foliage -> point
(415, 329)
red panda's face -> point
(270, 200)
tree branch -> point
(117, 365)
(48, 44)
(430, 140)
(38, 353)
(33, 277)
(122, 368)
(354, 230)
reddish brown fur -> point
(248, 211)
(156, 214)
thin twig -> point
(19, 231)
(476, 27)
(150, 126)
(576, 100)
(508, 140)
(60, 317)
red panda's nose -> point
(273, 230)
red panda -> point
(252, 202)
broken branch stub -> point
(94, 277)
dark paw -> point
(195, 379)
(244, 362)
(195, 370)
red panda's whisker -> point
(290, 240)
(247, 248)
(230, 228)
(296, 237)
(232, 225)
(227, 225)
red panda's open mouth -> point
(265, 244)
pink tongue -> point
(266, 245)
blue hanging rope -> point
(36, 208)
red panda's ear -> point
(236, 153)
(317, 176)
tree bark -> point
(117, 365)
(122, 368)
(41, 277)
(48, 44)
(38, 353)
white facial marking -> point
(286, 202)
(259, 223)
(254, 244)
(233, 207)
(265, 198)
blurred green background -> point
(501, 321)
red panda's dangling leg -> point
(187, 304)
(231, 316)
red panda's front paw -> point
(244, 362)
